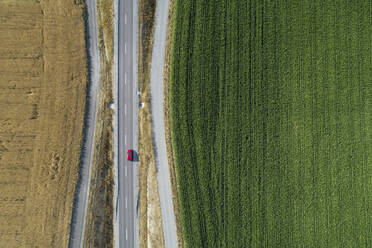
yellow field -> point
(42, 101)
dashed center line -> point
(125, 109)
(126, 202)
(125, 48)
(125, 140)
(126, 233)
(125, 171)
(125, 18)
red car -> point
(129, 154)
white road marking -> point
(126, 202)
(125, 78)
(125, 18)
(125, 48)
(125, 171)
(126, 233)
(125, 109)
(125, 139)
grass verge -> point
(151, 232)
(168, 138)
(99, 229)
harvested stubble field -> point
(42, 100)
(271, 122)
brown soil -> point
(43, 79)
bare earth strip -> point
(42, 101)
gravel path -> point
(82, 191)
(156, 81)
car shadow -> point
(135, 156)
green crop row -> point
(270, 120)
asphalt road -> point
(127, 204)
(156, 81)
(82, 191)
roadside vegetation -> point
(168, 139)
(43, 82)
(270, 122)
(99, 220)
(150, 224)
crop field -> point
(270, 106)
(42, 101)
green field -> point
(271, 109)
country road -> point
(127, 192)
(157, 113)
(82, 190)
